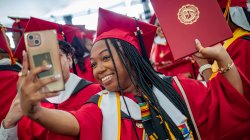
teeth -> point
(107, 78)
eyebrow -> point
(104, 50)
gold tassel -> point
(226, 15)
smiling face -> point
(103, 68)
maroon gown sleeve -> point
(89, 118)
(239, 51)
(8, 91)
(219, 110)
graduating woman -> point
(137, 102)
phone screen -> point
(43, 59)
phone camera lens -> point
(37, 42)
(30, 37)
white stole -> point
(111, 107)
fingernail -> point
(58, 76)
(49, 66)
(197, 42)
(23, 53)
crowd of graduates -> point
(121, 82)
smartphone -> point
(43, 49)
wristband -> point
(204, 67)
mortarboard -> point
(36, 24)
(70, 31)
(113, 25)
(89, 34)
(240, 3)
(79, 34)
(19, 23)
(84, 33)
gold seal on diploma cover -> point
(188, 14)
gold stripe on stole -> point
(99, 101)
(119, 114)
(170, 133)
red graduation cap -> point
(19, 23)
(75, 31)
(240, 3)
(89, 34)
(82, 27)
(70, 31)
(4, 45)
(36, 24)
(84, 33)
(113, 25)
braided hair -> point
(145, 78)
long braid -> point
(153, 77)
(165, 87)
(121, 56)
(144, 74)
(143, 83)
(145, 86)
(120, 89)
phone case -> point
(43, 49)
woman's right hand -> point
(224, 61)
(31, 88)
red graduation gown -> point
(88, 74)
(219, 111)
(30, 130)
(161, 56)
(90, 121)
(239, 50)
(164, 63)
(8, 90)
